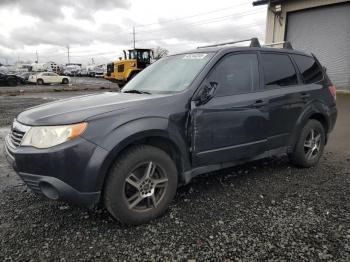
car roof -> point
(231, 48)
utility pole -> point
(68, 54)
(133, 33)
(37, 57)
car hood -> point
(78, 109)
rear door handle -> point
(305, 95)
(259, 103)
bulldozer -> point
(123, 70)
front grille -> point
(17, 133)
(16, 137)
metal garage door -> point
(324, 31)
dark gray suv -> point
(184, 115)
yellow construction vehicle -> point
(124, 70)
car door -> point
(55, 78)
(282, 89)
(45, 77)
(52, 77)
(232, 124)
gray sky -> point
(101, 29)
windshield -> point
(170, 74)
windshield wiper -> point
(134, 91)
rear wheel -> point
(140, 185)
(65, 81)
(40, 82)
(309, 147)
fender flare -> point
(310, 110)
(124, 135)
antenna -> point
(68, 54)
(37, 57)
(133, 34)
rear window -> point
(309, 69)
(278, 70)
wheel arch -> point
(322, 119)
(155, 135)
(316, 111)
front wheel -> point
(65, 81)
(140, 185)
(309, 147)
(40, 82)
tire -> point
(40, 82)
(308, 151)
(127, 180)
(65, 81)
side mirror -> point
(207, 92)
(324, 69)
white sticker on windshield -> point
(195, 56)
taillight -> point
(333, 91)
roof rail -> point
(254, 42)
(286, 44)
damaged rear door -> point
(229, 124)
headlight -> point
(48, 136)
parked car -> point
(184, 115)
(98, 72)
(25, 75)
(10, 80)
(48, 78)
(83, 72)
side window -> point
(309, 69)
(278, 70)
(236, 74)
(120, 68)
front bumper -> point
(70, 172)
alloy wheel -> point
(312, 144)
(145, 186)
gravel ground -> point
(266, 210)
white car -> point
(48, 78)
